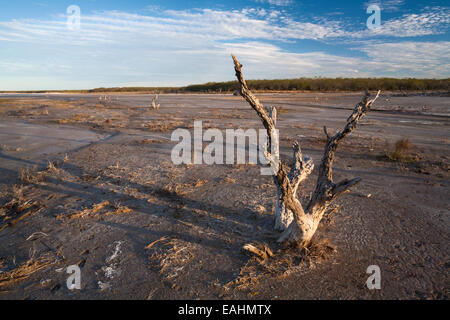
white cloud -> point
(181, 47)
(258, 24)
(386, 5)
(276, 2)
(423, 59)
(410, 25)
(206, 23)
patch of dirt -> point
(92, 184)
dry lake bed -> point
(91, 183)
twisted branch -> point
(305, 221)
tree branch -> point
(254, 102)
(301, 169)
(305, 222)
(326, 190)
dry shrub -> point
(31, 175)
(52, 167)
(401, 152)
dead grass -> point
(229, 180)
(162, 125)
(149, 141)
(18, 208)
(30, 175)
(119, 209)
(199, 183)
(281, 110)
(92, 212)
(33, 175)
(101, 209)
(4, 147)
(79, 117)
(171, 256)
(25, 270)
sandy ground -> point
(89, 183)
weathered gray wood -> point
(300, 224)
(154, 105)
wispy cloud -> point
(424, 59)
(175, 47)
(432, 21)
(276, 2)
(258, 24)
(386, 5)
(206, 23)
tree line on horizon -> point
(302, 84)
(299, 84)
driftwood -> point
(298, 222)
(264, 254)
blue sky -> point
(174, 43)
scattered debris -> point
(37, 235)
(90, 212)
(149, 246)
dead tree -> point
(104, 100)
(299, 222)
(154, 105)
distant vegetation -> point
(301, 84)
(326, 84)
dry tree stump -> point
(299, 222)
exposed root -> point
(288, 260)
(265, 253)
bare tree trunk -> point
(154, 100)
(299, 224)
